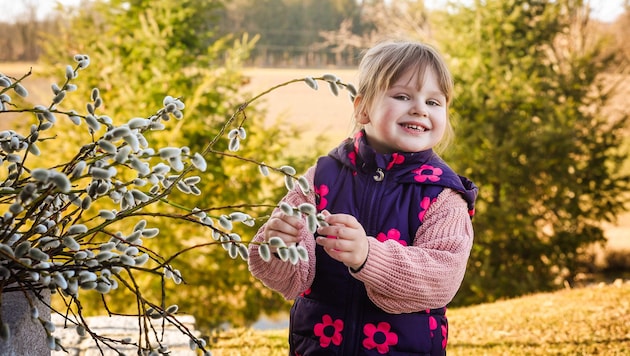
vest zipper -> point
(375, 190)
(380, 175)
(354, 333)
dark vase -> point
(28, 337)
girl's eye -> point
(401, 97)
(433, 103)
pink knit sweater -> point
(398, 279)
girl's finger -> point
(331, 243)
(337, 231)
(342, 219)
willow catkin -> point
(151, 232)
(20, 90)
(283, 253)
(243, 252)
(288, 170)
(77, 229)
(107, 214)
(70, 73)
(264, 170)
(199, 162)
(107, 146)
(265, 252)
(304, 185)
(70, 243)
(233, 250)
(142, 259)
(276, 242)
(311, 222)
(293, 255)
(238, 216)
(122, 155)
(225, 222)
(59, 97)
(22, 249)
(307, 208)
(311, 83)
(133, 142)
(289, 183)
(234, 144)
(92, 122)
(286, 208)
(172, 309)
(40, 174)
(302, 252)
(38, 254)
(176, 163)
(140, 225)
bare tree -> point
(394, 19)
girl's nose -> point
(419, 108)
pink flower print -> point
(397, 158)
(444, 336)
(329, 331)
(322, 191)
(306, 292)
(357, 138)
(352, 156)
(424, 206)
(379, 337)
(392, 234)
(471, 212)
(432, 325)
(427, 172)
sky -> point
(606, 10)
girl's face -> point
(406, 118)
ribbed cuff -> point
(360, 267)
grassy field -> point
(592, 320)
(315, 112)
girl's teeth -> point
(414, 127)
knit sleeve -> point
(403, 279)
(283, 277)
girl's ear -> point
(360, 114)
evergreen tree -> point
(145, 50)
(531, 133)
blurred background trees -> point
(535, 126)
(530, 89)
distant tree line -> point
(19, 39)
(291, 30)
(291, 33)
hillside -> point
(592, 320)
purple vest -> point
(388, 194)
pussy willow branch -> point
(245, 159)
(17, 81)
(241, 109)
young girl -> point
(399, 232)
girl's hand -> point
(344, 239)
(285, 227)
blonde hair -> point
(385, 63)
